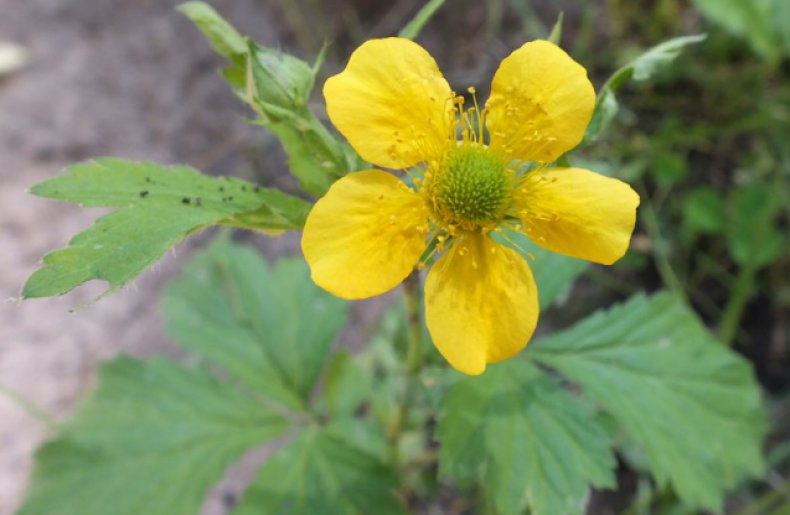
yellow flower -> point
(370, 230)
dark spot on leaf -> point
(147, 179)
(222, 188)
(256, 189)
(143, 193)
(244, 188)
(185, 200)
(230, 198)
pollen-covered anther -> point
(471, 189)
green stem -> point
(741, 292)
(663, 265)
(772, 500)
(411, 290)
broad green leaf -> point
(224, 39)
(754, 19)
(554, 273)
(152, 438)
(346, 385)
(414, 27)
(692, 404)
(533, 442)
(157, 208)
(753, 236)
(703, 211)
(268, 326)
(640, 69)
(321, 472)
(277, 86)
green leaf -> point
(554, 273)
(413, 28)
(703, 211)
(534, 443)
(158, 207)
(320, 472)
(223, 37)
(346, 385)
(754, 19)
(691, 403)
(556, 31)
(668, 168)
(640, 69)
(271, 327)
(152, 438)
(752, 234)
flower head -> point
(466, 182)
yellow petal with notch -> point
(481, 303)
(365, 235)
(541, 102)
(392, 103)
(578, 213)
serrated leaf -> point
(640, 69)
(426, 12)
(320, 472)
(691, 403)
(269, 326)
(152, 438)
(158, 207)
(554, 273)
(346, 385)
(533, 442)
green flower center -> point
(471, 188)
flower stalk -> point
(411, 290)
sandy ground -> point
(130, 79)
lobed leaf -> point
(157, 208)
(534, 443)
(319, 471)
(270, 327)
(692, 404)
(152, 438)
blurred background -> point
(706, 143)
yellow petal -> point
(365, 235)
(541, 102)
(391, 103)
(481, 303)
(578, 213)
